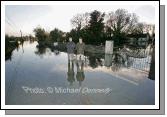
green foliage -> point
(119, 38)
(11, 43)
(41, 34)
(96, 27)
(74, 34)
(93, 30)
(56, 35)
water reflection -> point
(119, 59)
(79, 63)
(70, 72)
(60, 70)
(152, 66)
(56, 52)
(40, 50)
(80, 76)
(108, 60)
(115, 61)
(94, 60)
(10, 46)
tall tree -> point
(80, 20)
(139, 29)
(41, 34)
(96, 26)
(121, 23)
(56, 35)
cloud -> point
(27, 17)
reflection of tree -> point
(40, 50)
(22, 43)
(117, 61)
(80, 76)
(8, 54)
(95, 59)
(70, 73)
(56, 52)
(31, 41)
(92, 61)
(17, 47)
(10, 47)
(152, 66)
(129, 62)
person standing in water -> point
(80, 47)
(70, 49)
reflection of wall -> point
(108, 60)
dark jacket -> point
(70, 47)
(80, 48)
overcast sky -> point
(27, 17)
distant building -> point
(140, 40)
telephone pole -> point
(21, 33)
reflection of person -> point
(70, 49)
(70, 73)
(80, 49)
(80, 76)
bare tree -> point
(121, 21)
(86, 18)
(80, 20)
(138, 28)
(149, 28)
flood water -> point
(36, 77)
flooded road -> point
(40, 76)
